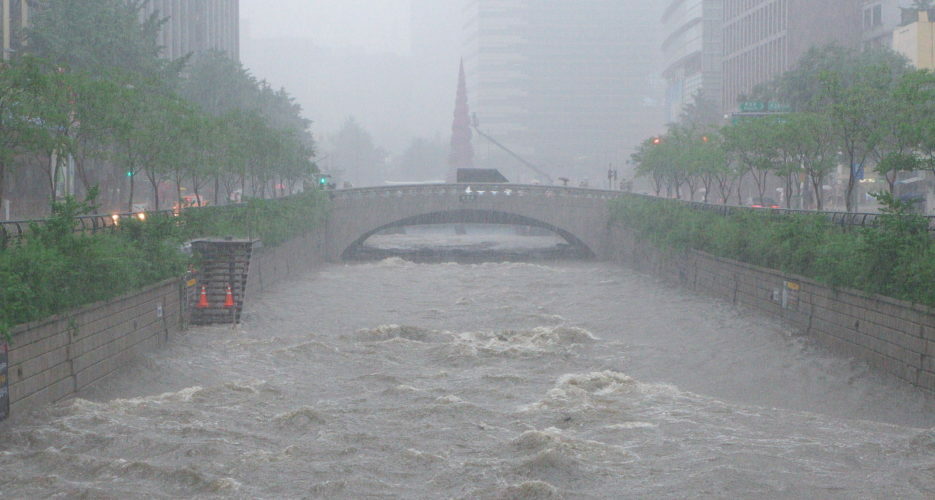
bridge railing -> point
(11, 231)
(480, 190)
(474, 190)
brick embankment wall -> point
(55, 358)
(272, 265)
(893, 336)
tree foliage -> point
(354, 155)
(861, 110)
(94, 89)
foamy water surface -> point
(489, 381)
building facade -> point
(693, 53)
(916, 38)
(879, 18)
(14, 16)
(568, 85)
(198, 25)
(764, 38)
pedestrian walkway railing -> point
(11, 231)
(489, 190)
(838, 218)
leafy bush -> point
(272, 221)
(896, 257)
(56, 269)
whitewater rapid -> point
(493, 381)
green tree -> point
(711, 160)
(649, 161)
(915, 98)
(21, 85)
(354, 155)
(752, 144)
(271, 135)
(810, 137)
(702, 112)
(97, 36)
(844, 84)
(218, 84)
(423, 160)
(906, 118)
(136, 134)
(97, 116)
(54, 109)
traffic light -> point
(130, 173)
(657, 141)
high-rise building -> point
(568, 85)
(915, 39)
(764, 38)
(693, 53)
(198, 25)
(879, 18)
(14, 16)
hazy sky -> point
(373, 25)
(354, 58)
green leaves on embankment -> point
(55, 269)
(895, 258)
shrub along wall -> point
(55, 269)
(893, 336)
(895, 258)
(55, 357)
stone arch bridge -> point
(580, 216)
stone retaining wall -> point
(55, 358)
(893, 336)
(272, 265)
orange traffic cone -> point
(229, 300)
(203, 300)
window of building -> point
(873, 16)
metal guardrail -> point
(838, 218)
(14, 230)
(11, 231)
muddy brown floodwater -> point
(528, 381)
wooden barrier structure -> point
(222, 267)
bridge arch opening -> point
(570, 247)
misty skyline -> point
(370, 25)
(390, 64)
